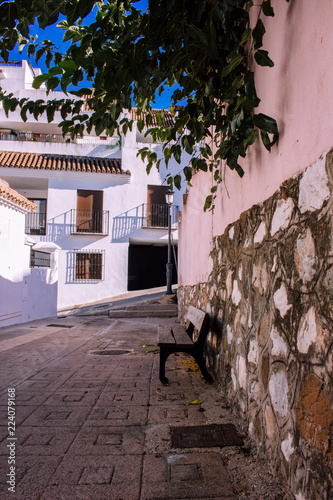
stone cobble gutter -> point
(270, 348)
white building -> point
(26, 293)
(94, 201)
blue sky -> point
(55, 35)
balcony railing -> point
(110, 142)
(35, 223)
(89, 221)
(157, 215)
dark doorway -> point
(147, 266)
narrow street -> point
(91, 426)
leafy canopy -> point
(203, 49)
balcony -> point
(89, 222)
(110, 142)
(35, 223)
(155, 216)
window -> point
(40, 259)
(157, 209)
(35, 222)
(89, 216)
(89, 265)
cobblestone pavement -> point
(90, 426)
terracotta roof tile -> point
(168, 119)
(7, 193)
(61, 162)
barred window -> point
(89, 265)
(40, 259)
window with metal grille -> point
(40, 259)
(89, 265)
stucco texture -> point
(297, 92)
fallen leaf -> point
(195, 402)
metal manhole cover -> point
(61, 326)
(205, 436)
(106, 352)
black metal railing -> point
(157, 215)
(89, 221)
(110, 142)
(35, 223)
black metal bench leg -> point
(202, 365)
(164, 354)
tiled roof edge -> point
(42, 161)
(9, 194)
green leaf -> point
(188, 173)
(250, 139)
(262, 58)
(266, 140)
(177, 152)
(266, 123)
(197, 34)
(250, 88)
(235, 61)
(39, 54)
(68, 65)
(52, 83)
(50, 114)
(208, 202)
(258, 34)
(39, 80)
(55, 71)
(267, 8)
(177, 181)
(246, 36)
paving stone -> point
(176, 414)
(73, 397)
(32, 475)
(21, 413)
(118, 415)
(130, 397)
(194, 475)
(43, 441)
(108, 440)
(96, 478)
(78, 383)
(29, 397)
(169, 397)
(53, 416)
(128, 385)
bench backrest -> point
(200, 321)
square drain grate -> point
(205, 436)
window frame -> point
(88, 267)
(34, 253)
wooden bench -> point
(174, 338)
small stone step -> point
(146, 313)
(153, 307)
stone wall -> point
(270, 348)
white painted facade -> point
(123, 197)
(26, 294)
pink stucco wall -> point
(298, 92)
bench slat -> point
(181, 337)
(196, 317)
(165, 337)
